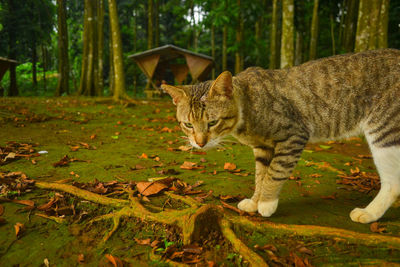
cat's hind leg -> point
(387, 161)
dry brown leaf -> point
(305, 251)
(24, 202)
(81, 258)
(150, 188)
(1, 209)
(266, 247)
(48, 204)
(145, 242)
(185, 148)
(143, 156)
(229, 166)
(19, 228)
(331, 197)
(116, 262)
(2, 220)
(187, 165)
(377, 228)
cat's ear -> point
(222, 86)
(176, 93)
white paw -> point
(267, 208)
(247, 205)
(362, 216)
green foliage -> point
(31, 24)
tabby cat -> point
(276, 112)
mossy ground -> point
(119, 135)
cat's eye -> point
(188, 125)
(212, 123)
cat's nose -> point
(201, 144)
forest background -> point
(65, 47)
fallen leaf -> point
(46, 262)
(305, 250)
(187, 165)
(19, 228)
(229, 166)
(377, 228)
(143, 241)
(81, 258)
(325, 147)
(194, 249)
(143, 156)
(1, 209)
(185, 148)
(331, 197)
(116, 262)
(266, 247)
(150, 188)
(2, 220)
(93, 136)
(10, 155)
(24, 202)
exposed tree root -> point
(198, 220)
(313, 230)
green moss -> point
(74, 121)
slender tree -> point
(224, 47)
(99, 81)
(273, 64)
(150, 24)
(350, 21)
(239, 40)
(157, 23)
(371, 25)
(314, 32)
(63, 62)
(91, 82)
(119, 74)
(287, 44)
(383, 24)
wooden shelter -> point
(5, 64)
(155, 64)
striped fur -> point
(276, 112)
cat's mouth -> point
(206, 146)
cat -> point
(276, 112)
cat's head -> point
(207, 111)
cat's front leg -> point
(263, 157)
(285, 158)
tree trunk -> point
(239, 37)
(287, 45)
(119, 74)
(383, 24)
(298, 59)
(111, 73)
(273, 46)
(135, 77)
(12, 54)
(91, 83)
(149, 24)
(363, 27)
(44, 59)
(63, 62)
(213, 49)
(100, 48)
(157, 22)
(224, 47)
(373, 24)
(350, 25)
(34, 63)
(332, 34)
(314, 31)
